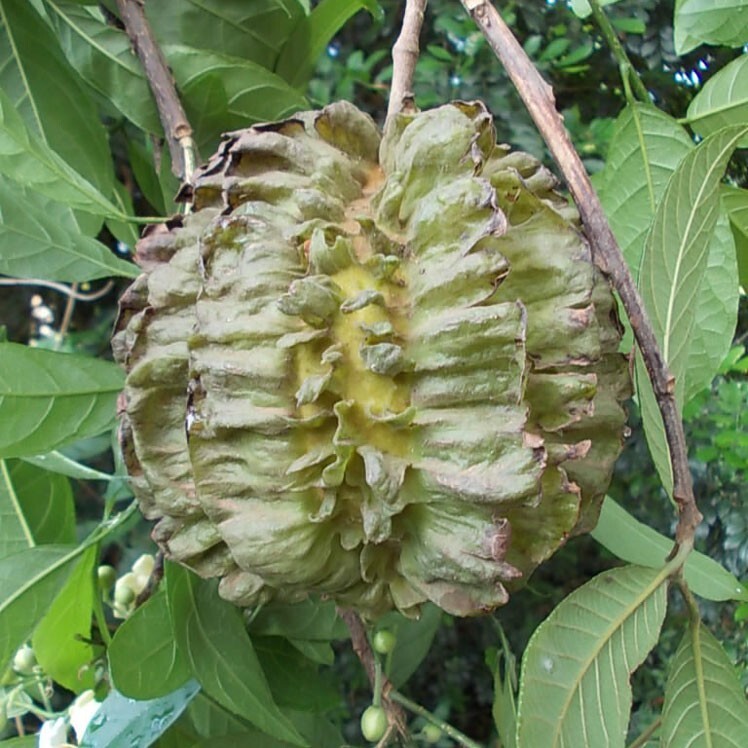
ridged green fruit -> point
(380, 370)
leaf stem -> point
(629, 73)
(445, 727)
(643, 739)
(20, 516)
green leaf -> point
(29, 582)
(312, 619)
(46, 501)
(724, 99)
(40, 238)
(705, 706)
(57, 462)
(144, 661)
(646, 147)
(103, 56)
(252, 93)
(413, 641)
(123, 723)
(673, 265)
(294, 681)
(503, 663)
(575, 687)
(15, 533)
(48, 399)
(630, 540)
(312, 35)
(30, 162)
(254, 31)
(711, 22)
(716, 311)
(61, 641)
(210, 634)
(51, 97)
(735, 202)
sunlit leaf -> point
(211, 636)
(255, 31)
(46, 501)
(724, 99)
(637, 543)
(62, 639)
(32, 163)
(48, 399)
(312, 35)
(50, 96)
(29, 582)
(143, 657)
(710, 21)
(575, 688)
(103, 56)
(40, 238)
(57, 462)
(15, 533)
(716, 311)
(705, 706)
(646, 147)
(252, 93)
(124, 723)
(673, 265)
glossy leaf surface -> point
(124, 723)
(29, 582)
(40, 238)
(211, 636)
(62, 640)
(48, 399)
(143, 658)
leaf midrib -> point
(603, 641)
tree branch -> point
(173, 119)
(540, 102)
(405, 56)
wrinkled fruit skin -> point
(384, 371)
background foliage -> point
(80, 152)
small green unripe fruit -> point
(384, 641)
(374, 723)
(106, 576)
(431, 734)
(24, 661)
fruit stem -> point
(445, 727)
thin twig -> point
(628, 71)
(643, 739)
(60, 287)
(539, 100)
(405, 56)
(445, 727)
(173, 119)
(360, 644)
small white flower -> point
(82, 711)
(54, 733)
